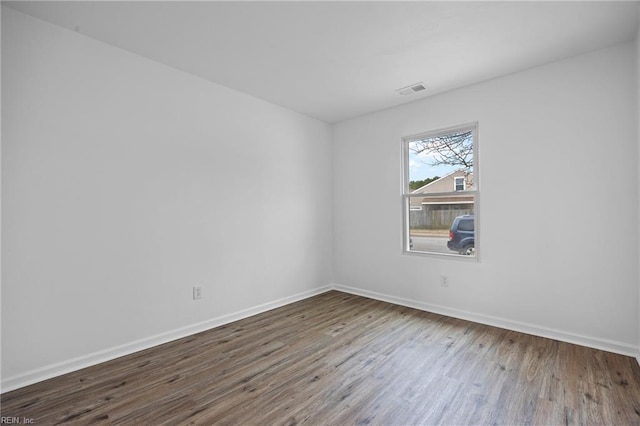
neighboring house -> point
(438, 211)
(458, 182)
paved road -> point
(432, 244)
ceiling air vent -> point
(414, 88)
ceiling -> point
(337, 60)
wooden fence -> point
(437, 216)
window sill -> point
(434, 255)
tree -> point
(415, 184)
(452, 149)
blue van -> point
(462, 235)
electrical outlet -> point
(197, 292)
(444, 281)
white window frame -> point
(475, 192)
(455, 183)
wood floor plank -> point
(340, 359)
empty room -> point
(324, 213)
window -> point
(466, 225)
(440, 197)
(458, 183)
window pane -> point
(440, 227)
(436, 161)
(459, 183)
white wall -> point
(638, 135)
(558, 203)
(125, 183)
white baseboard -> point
(53, 370)
(591, 342)
(78, 363)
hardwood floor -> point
(339, 359)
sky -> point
(420, 169)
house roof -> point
(440, 185)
